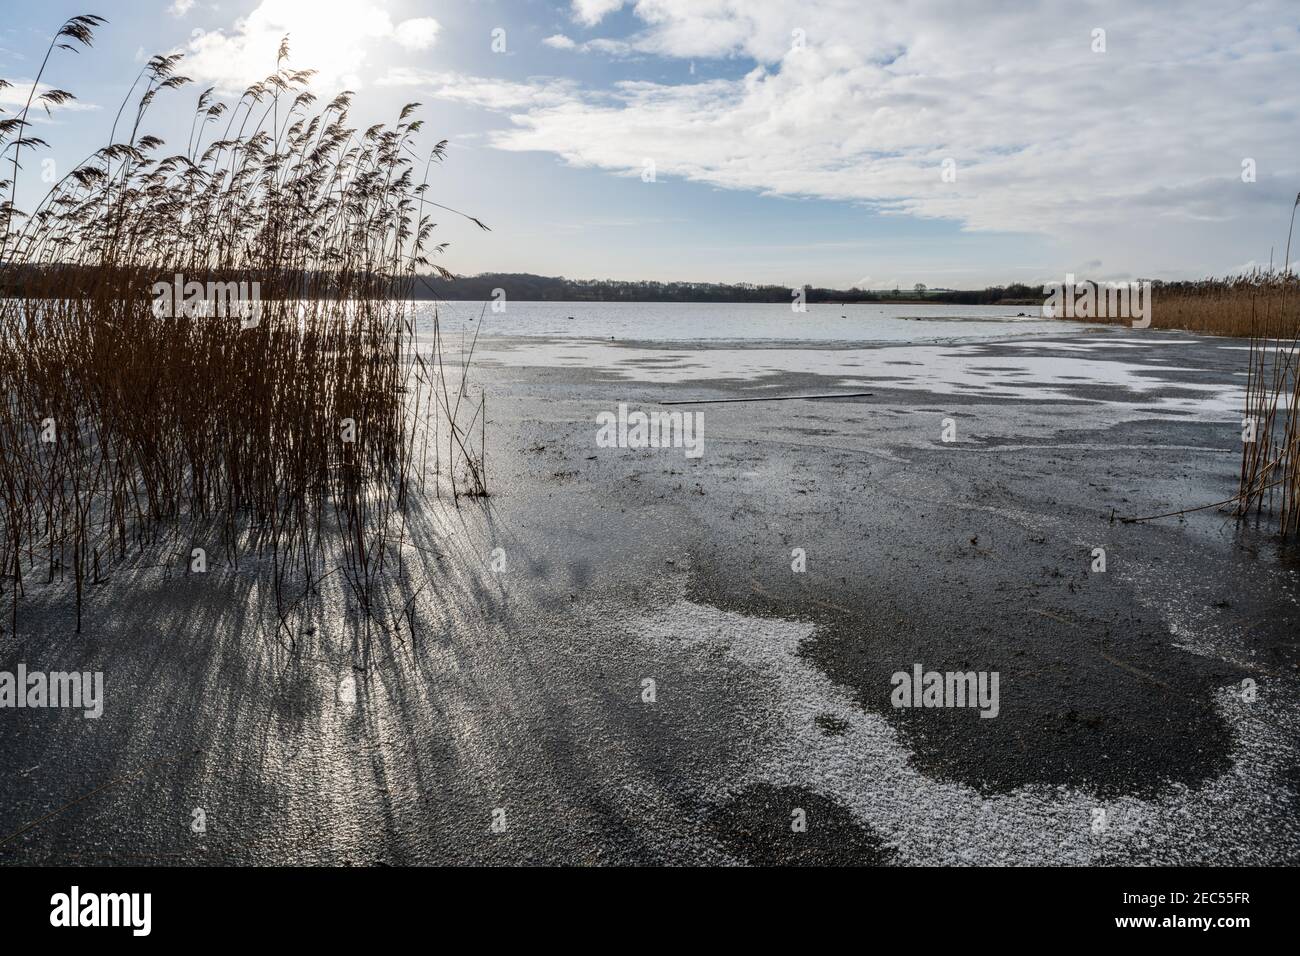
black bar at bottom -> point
(1223, 905)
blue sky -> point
(791, 142)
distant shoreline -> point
(526, 287)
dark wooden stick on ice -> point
(775, 398)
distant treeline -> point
(525, 287)
(532, 288)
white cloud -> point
(1135, 146)
(417, 34)
(591, 12)
(617, 48)
(611, 47)
(332, 40)
(180, 7)
(14, 98)
(493, 94)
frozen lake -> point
(746, 322)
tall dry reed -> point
(1269, 487)
(298, 436)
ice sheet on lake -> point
(1069, 370)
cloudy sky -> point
(832, 142)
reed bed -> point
(1228, 306)
(296, 426)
